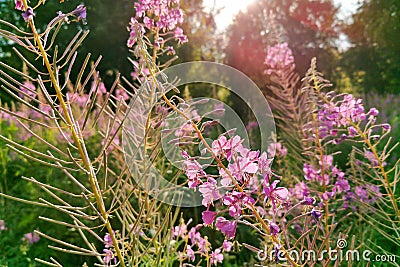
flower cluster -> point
(44, 112)
(195, 244)
(245, 176)
(278, 58)
(367, 194)
(31, 238)
(108, 250)
(343, 113)
(158, 16)
(299, 191)
(334, 179)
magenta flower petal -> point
(281, 193)
(208, 217)
(226, 227)
(19, 5)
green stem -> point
(380, 166)
(78, 140)
(321, 154)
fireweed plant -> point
(300, 201)
(116, 221)
(357, 200)
(316, 212)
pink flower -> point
(178, 34)
(208, 217)
(29, 89)
(264, 164)
(121, 93)
(78, 99)
(159, 42)
(170, 50)
(140, 8)
(227, 245)
(223, 146)
(339, 114)
(190, 253)
(2, 225)
(308, 201)
(108, 241)
(337, 172)
(209, 191)
(108, 256)
(180, 230)
(202, 245)
(185, 130)
(273, 228)
(28, 14)
(226, 227)
(80, 12)
(19, 5)
(235, 201)
(310, 173)
(371, 157)
(300, 190)
(216, 256)
(148, 22)
(342, 185)
(278, 58)
(193, 169)
(327, 161)
(386, 127)
(352, 131)
(168, 15)
(276, 194)
(373, 112)
(316, 213)
(226, 179)
(102, 89)
(239, 168)
(194, 236)
(134, 28)
(31, 237)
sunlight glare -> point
(229, 9)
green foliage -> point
(20, 218)
(373, 62)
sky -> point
(229, 8)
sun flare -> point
(228, 10)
